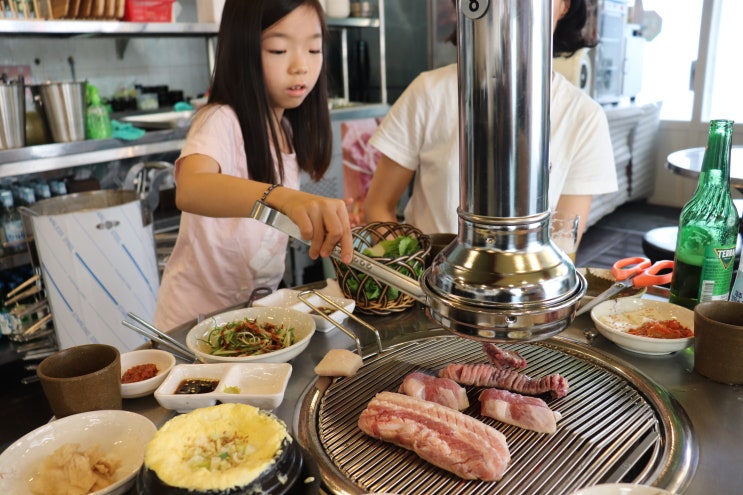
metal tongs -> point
(157, 335)
(304, 297)
(264, 213)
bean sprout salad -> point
(246, 337)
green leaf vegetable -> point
(405, 245)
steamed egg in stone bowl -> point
(234, 449)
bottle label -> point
(736, 295)
(717, 273)
(14, 232)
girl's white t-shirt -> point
(420, 132)
(217, 262)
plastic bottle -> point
(708, 228)
(13, 234)
(98, 121)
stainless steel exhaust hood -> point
(502, 278)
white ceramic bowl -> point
(121, 435)
(621, 489)
(162, 359)
(258, 384)
(287, 298)
(615, 317)
(303, 324)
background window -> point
(724, 82)
(669, 56)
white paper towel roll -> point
(577, 69)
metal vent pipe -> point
(502, 279)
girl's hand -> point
(323, 221)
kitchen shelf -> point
(57, 156)
(85, 28)
(349, 22)
(82, 28)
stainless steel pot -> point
(12, 114)
(62, 107)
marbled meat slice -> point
(485, 375)
(531, 413)
(502, 358)
(440, 435)
(439, 390)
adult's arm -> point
(388, 184)
(570, 205)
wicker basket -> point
(387, 299)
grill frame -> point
(662, 452)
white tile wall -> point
(180, 63)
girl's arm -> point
(202, 190)
(389, 182)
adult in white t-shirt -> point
(418, 139)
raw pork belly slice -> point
(439, 390)
(501, 358)
(442, 436)
(530, 413)
(485, 375)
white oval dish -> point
(287, 298)
(258, 384)
(621, 489)
(613, 318)
(303, 324)
(162, 359)
(121, 435)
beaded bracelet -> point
(268, 191)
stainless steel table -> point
(715, 410)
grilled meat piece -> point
(439, 390)
(485, 375)
(502, 358)
(440, 435)
(530, 413)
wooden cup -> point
(82, 378)
(718, 341)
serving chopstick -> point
(154, 333)
(22, 286)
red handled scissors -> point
(633, 272)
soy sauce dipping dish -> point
(288, 298)
(615, 317)
(303, 324)
(163, 360)
(258, 384)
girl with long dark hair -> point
(266, 120)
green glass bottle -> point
(708, 227)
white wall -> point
(181, 63)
